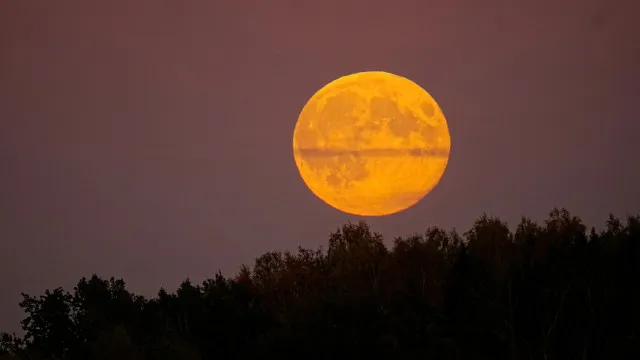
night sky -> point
(152, 140)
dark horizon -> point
(152, 142)
(549, 290)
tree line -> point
(551, 290)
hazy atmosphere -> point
(152, 140)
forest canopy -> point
(551, 290)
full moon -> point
(371, 143)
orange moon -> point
(371, 143)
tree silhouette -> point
(555, 290)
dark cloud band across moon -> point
(323, 152)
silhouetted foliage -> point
(545, 291)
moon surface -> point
(371, 143)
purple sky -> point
(152, 140)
